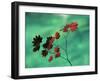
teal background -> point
(46, 24)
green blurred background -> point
(46, 24)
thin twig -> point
(69, 61)
(66, 50)
(63, 57)
(66, 60)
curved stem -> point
(63, 57)
(67, 60)
(66, 50)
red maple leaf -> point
(50, 43)
(56, 49)
(57, 54)
(73, 26)
(57, 35)
(65, 29)
(50, 58)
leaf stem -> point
(66, 60)
(66, 50)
